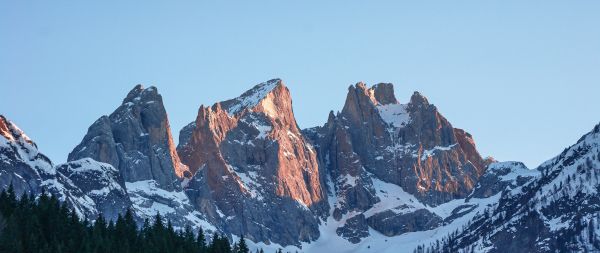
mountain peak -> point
(384, 93)
(418, 99)
(378, 94)
(139, 93)
(252, 97)
(12, 132)
(135, 139)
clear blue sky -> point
(522, 76)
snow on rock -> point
(252, 97)
(148, 199)
(430, 152)
(395, 115)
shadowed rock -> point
(135, 139)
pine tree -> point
(47, 225)
(201, 241)
(242, 246)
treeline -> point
(45, 225)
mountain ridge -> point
(376, 175)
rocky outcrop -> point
(135, 139)
(391, 223)
(355, 229)
(254, 173)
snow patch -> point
(395, 115)
(252, 97)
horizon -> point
(521, 78)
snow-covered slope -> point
(556, 210)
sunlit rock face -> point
(375, 141)
(135, 139)
(254, 173)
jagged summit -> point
(136, 139)
(418, 99)
(249, 152)
(140, 94)
(253, 97)
(384, 93)
(12, 132)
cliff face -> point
(135, 139)
(253, 170)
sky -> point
(523, 77)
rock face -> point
(254, 173)
(408, 145)
(135, 139)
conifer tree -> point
(242, 246)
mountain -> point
(30, 172)
(254, 172)
(379, 176)
(554, 211)
(375, 141)
(136, 140)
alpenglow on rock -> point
(135, 139)
(254, 173)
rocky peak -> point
(384, 93)
(140, 94)
(248, 151)
(136, 139)
(390, 137)
(13, 133)
(418, 99)
(378, 94)
(21, 164)
(264, 97)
